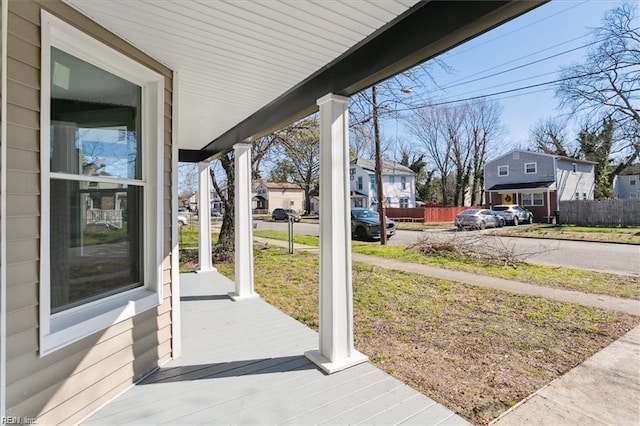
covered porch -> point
(244, 363)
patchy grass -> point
(629, 235)
(188, 237)
(419, 226)
(553, 276)
(476, 350)
(309, 240)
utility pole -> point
(378, 171)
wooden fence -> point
(604, 212)
(426, 214)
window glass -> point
(392, 179)
(536, 199)
(96, 233)
(503, 170)
(95, 120)
(403, 180)
(360, 182)
(530, 168)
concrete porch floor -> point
(243, 363)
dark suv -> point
(285, 214)
(365, 224)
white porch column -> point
(336, 302)
(243, 224)
(204, 218)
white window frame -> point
(503, 175)
(64, 328)
(535, 168)
(403, 181)
(632, 180)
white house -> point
(627, 184)
(398, 184)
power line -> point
(518, 67)
(517, 89)
(519, 29)
(518, 59)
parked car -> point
(216, 212)
(513, 213)
(183, 219)
(285, 214)
(365, 224)
(478, 219)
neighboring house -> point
(139, 86)
(214, 201)
(398, 184)
(315, 205)
(538, 181)
(627, 184)
(270, 195)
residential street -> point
(602, 257)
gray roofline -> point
(558, 157)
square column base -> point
(333, 367)
(236, 298)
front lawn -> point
(629, 235)
(567, 278)
(476, 350)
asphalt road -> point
(603, 257)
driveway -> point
(602, 257)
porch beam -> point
(243, 224)
(336, 351)
(204, 221)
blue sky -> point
(551, 29)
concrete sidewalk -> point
(605, 389)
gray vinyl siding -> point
(544, 165)
(69, 384)
(622, 187)
(568, 183)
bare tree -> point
(549, 136)
(607, 84)
(427, 126)
(454, 122)
(300, 144)
(224, 186)
(484, 128)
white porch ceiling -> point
(235, 57)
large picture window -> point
(101, 153)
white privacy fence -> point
(109, 218)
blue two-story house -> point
(537, 181)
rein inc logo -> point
(18, 420)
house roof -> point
(276, 185)
(524, 185)
(571, 159)
(247, 68)
(632, 169)
(389, 168)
